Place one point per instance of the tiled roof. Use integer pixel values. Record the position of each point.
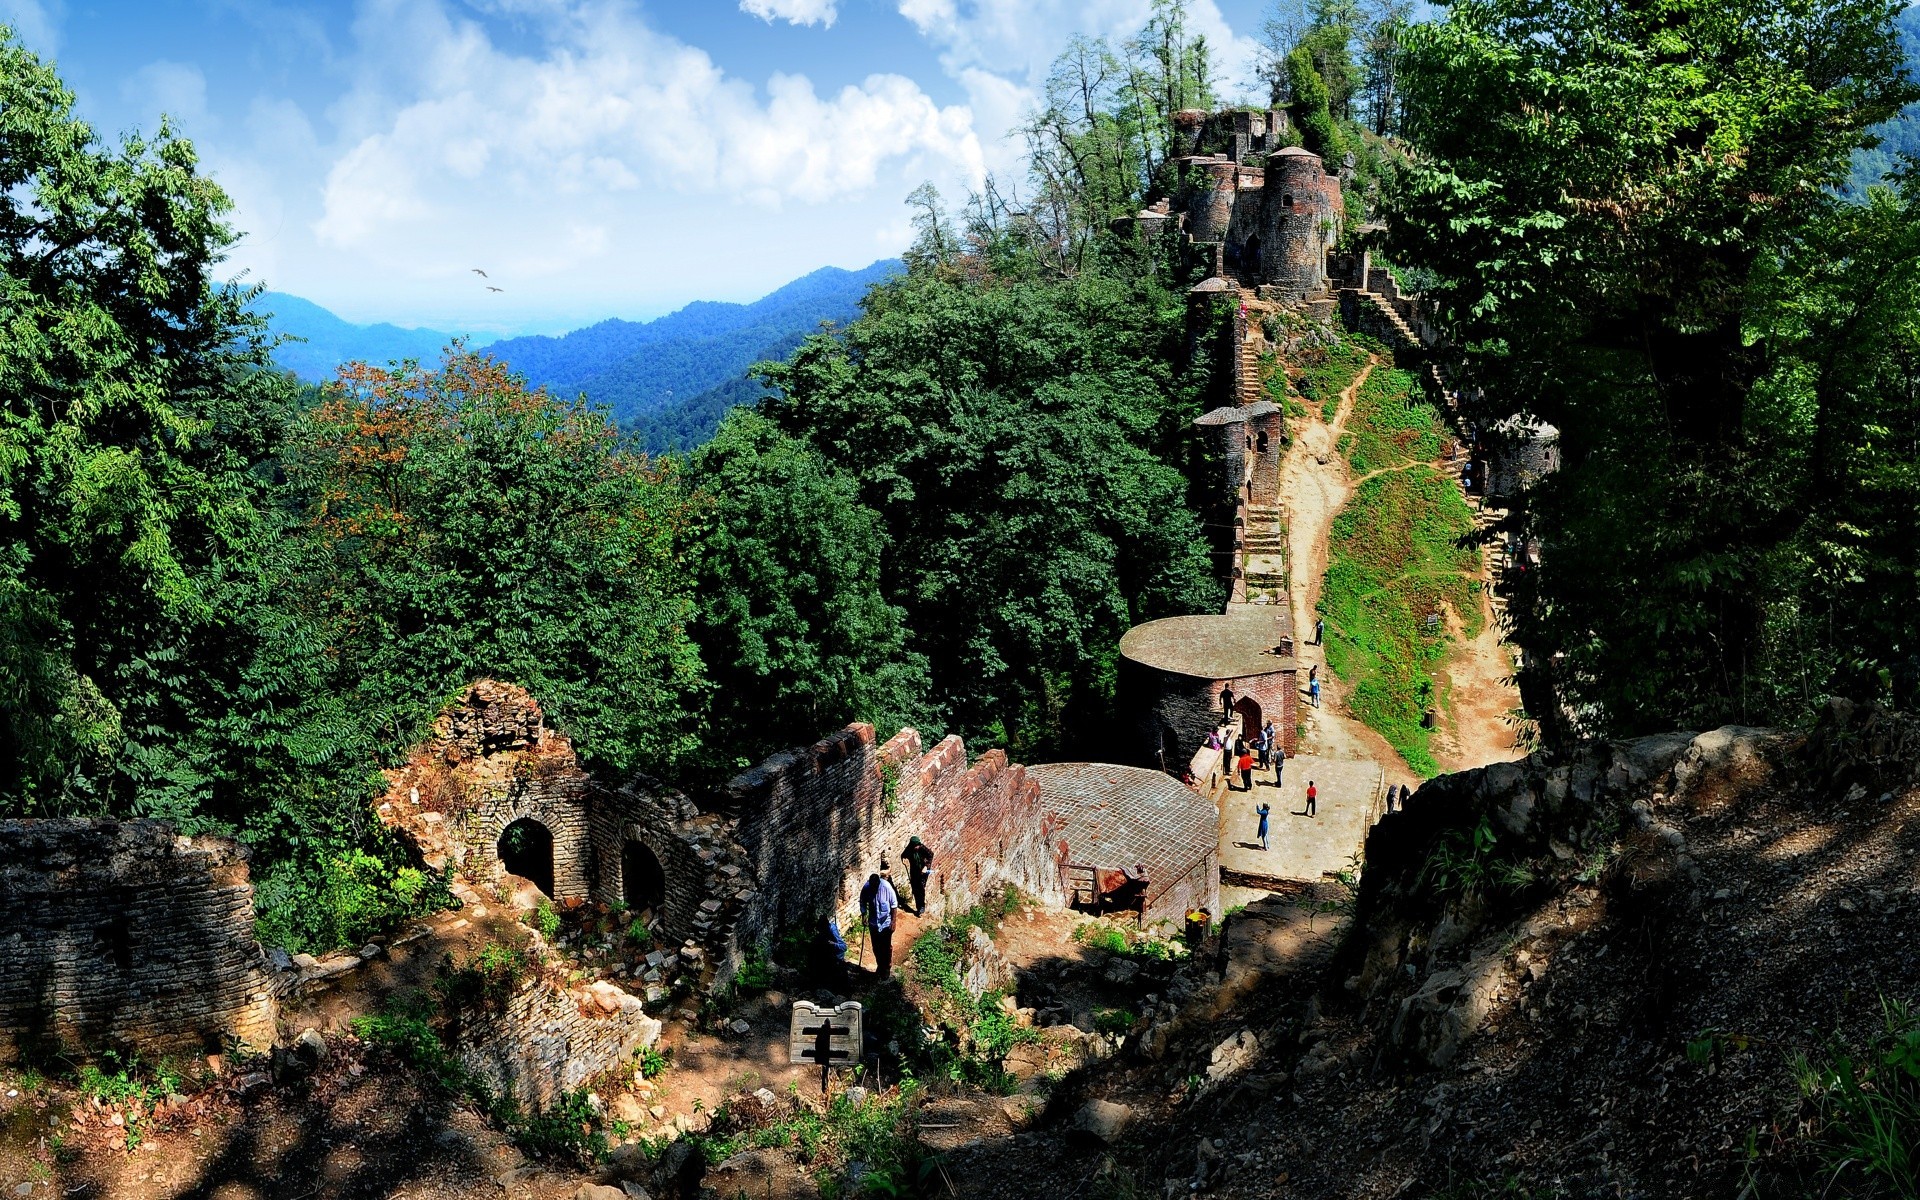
(1129, 817)
(1230, 645)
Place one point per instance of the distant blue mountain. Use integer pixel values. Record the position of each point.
(639, 369)
(671, 380)
(1900, 137)
(327, 341)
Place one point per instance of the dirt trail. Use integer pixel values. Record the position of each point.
(1315, 484)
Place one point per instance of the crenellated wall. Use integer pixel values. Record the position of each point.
(120, 935)
(814, 822)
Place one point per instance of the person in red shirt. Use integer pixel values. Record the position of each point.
(1313, 798)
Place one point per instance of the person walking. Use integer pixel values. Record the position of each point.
(828, 955)
(919, 862)
(1263, 810)
(1226, 703)
(1245, 765)
(1279, 762)
(1313, 799)
(1313, 673)
(877, 902)
(1392, 790)
(1313, 692)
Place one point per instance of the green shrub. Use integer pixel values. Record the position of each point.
(1115, 1021)
(1463, 863)
(756, 971)
(1868, 1105)
(546, 920)
(654, 1062)
(404, 1029)
(343, 900)
(567, 1132)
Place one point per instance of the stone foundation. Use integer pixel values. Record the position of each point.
(547, 1042)
(121, 936)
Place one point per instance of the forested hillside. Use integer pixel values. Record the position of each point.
(228, 602)
(314, 343)
(641, 371)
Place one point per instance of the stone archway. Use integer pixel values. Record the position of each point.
(643, 881)
(526, 849)
(1250, 717)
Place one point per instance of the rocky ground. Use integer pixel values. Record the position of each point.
(1578, 976)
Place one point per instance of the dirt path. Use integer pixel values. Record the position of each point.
(1315, 484)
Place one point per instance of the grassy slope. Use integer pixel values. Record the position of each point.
(1393, 562)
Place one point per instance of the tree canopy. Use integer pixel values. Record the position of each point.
(1604, 196)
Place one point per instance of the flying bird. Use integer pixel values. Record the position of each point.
(479, 272)
(491, 288)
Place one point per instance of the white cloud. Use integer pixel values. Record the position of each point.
(176, 89)
(1018, 39)
(610, 104)
(794, 12)
(35, 22)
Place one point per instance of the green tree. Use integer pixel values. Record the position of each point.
(1310, 108)
(137, 431)
(459, 525)
(791, 617)
(1599, 192)
(1015, 436)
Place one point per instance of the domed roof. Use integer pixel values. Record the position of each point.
(1231, 645)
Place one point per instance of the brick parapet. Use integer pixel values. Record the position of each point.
(547, 1041)
(120, 935)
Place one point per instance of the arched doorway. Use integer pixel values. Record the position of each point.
(1250, 255)
(643, 884)
(526, 850)
(1249, 710)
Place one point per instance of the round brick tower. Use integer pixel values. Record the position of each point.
(1299, 219)
(1210, 207)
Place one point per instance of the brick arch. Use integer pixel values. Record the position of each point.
(556, 800)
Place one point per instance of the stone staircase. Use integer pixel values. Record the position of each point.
(1404, 338)
(1494, 552)
(1252, 388)
(1265, 538)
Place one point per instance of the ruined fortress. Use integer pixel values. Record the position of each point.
(122, 935)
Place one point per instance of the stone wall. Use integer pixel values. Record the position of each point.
(494, 759)
(815, 822)
(708, 879)
(1174, 713)
(120, 935)
(547, 1042)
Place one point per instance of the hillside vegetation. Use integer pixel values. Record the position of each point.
(226, 599)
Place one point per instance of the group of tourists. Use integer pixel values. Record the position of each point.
(879, 901)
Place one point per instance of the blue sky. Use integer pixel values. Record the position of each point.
(597, 157)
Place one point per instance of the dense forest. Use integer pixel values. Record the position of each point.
(226, 599)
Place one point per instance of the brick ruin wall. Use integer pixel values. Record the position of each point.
(814, 822)
(1174, 713)
(546, 1042)
(494, 759)
(120, 935)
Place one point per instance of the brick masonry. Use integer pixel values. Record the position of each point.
(495, 759)
(547, 1042)
(120, 935)
(816, 821)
